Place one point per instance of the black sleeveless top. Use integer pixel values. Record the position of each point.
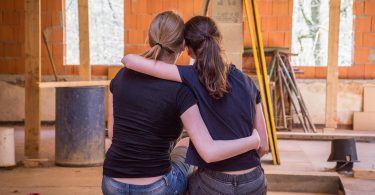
(146, 124)
(230, 117)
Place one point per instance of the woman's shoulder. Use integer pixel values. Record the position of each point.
(188, 73)
(235, 72)
(186, 68)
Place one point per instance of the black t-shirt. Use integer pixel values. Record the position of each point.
(230, 117)
(146, 124)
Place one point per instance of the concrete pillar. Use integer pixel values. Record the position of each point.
(228, 16)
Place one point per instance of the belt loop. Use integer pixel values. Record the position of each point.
(234, 181)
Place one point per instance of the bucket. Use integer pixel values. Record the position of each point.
(80, 126)
(7, 147)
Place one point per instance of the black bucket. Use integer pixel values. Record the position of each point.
(344, 152)
(80, 126)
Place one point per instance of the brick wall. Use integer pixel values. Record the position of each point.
(275, 18)
(276, 26)
(364, 46)
(139, 14)
(12, 36)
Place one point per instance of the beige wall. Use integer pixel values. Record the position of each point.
(12, 99)
(349, 98)
(313, 90)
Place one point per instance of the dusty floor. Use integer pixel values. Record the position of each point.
(296, 157)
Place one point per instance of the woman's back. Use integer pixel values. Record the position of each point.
(146, 124)
(230, 117)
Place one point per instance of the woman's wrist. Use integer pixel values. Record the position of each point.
(255, 140)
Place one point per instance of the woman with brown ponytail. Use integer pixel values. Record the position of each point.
(148, 114)
(229, 103)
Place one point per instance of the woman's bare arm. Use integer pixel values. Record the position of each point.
(153, 68)
(260, 125)
(214, 150)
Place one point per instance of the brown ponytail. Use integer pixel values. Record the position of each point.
(203, 37)
(165, 36)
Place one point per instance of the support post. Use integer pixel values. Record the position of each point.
(32, 77)
(84, 41)
(332, 65)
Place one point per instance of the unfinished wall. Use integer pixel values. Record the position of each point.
(275, 18)
(12, 101)
(349, 98)
(364, 46)
(12, 98)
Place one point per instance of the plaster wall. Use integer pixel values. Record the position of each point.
(349, 99)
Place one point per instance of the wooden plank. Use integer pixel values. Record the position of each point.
(84, 41)
(33, 163)
(253, 37)
(32, 77)
(73, 84)
(332, 66)
(359, 137)
(364, 174)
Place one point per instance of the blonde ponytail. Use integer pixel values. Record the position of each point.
(165, 36)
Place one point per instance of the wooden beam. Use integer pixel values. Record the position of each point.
(84, 41)
(332, 69)
(73, 84)
(32, 77)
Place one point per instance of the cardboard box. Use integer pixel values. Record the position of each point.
(232, 37)
(364, 121)
(235, 58)
(227, 11)
(369, 99)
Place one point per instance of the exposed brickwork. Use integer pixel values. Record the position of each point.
(276, 26)
(364, 43)
(275, 20)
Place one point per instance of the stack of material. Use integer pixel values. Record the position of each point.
(286, 93)
(366, 120)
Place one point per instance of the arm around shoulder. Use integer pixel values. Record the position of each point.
(153, 68)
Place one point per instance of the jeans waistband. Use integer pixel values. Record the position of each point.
(243, 178)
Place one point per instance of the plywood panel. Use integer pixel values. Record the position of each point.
(84, 42)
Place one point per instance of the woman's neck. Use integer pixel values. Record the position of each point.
(169, 59)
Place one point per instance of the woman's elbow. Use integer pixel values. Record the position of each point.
(126, 60)
(208, 157)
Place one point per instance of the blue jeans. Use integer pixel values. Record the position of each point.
(174, 182)
(209, 182)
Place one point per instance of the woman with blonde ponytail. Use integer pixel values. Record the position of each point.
(229, 103)
(148, 116)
